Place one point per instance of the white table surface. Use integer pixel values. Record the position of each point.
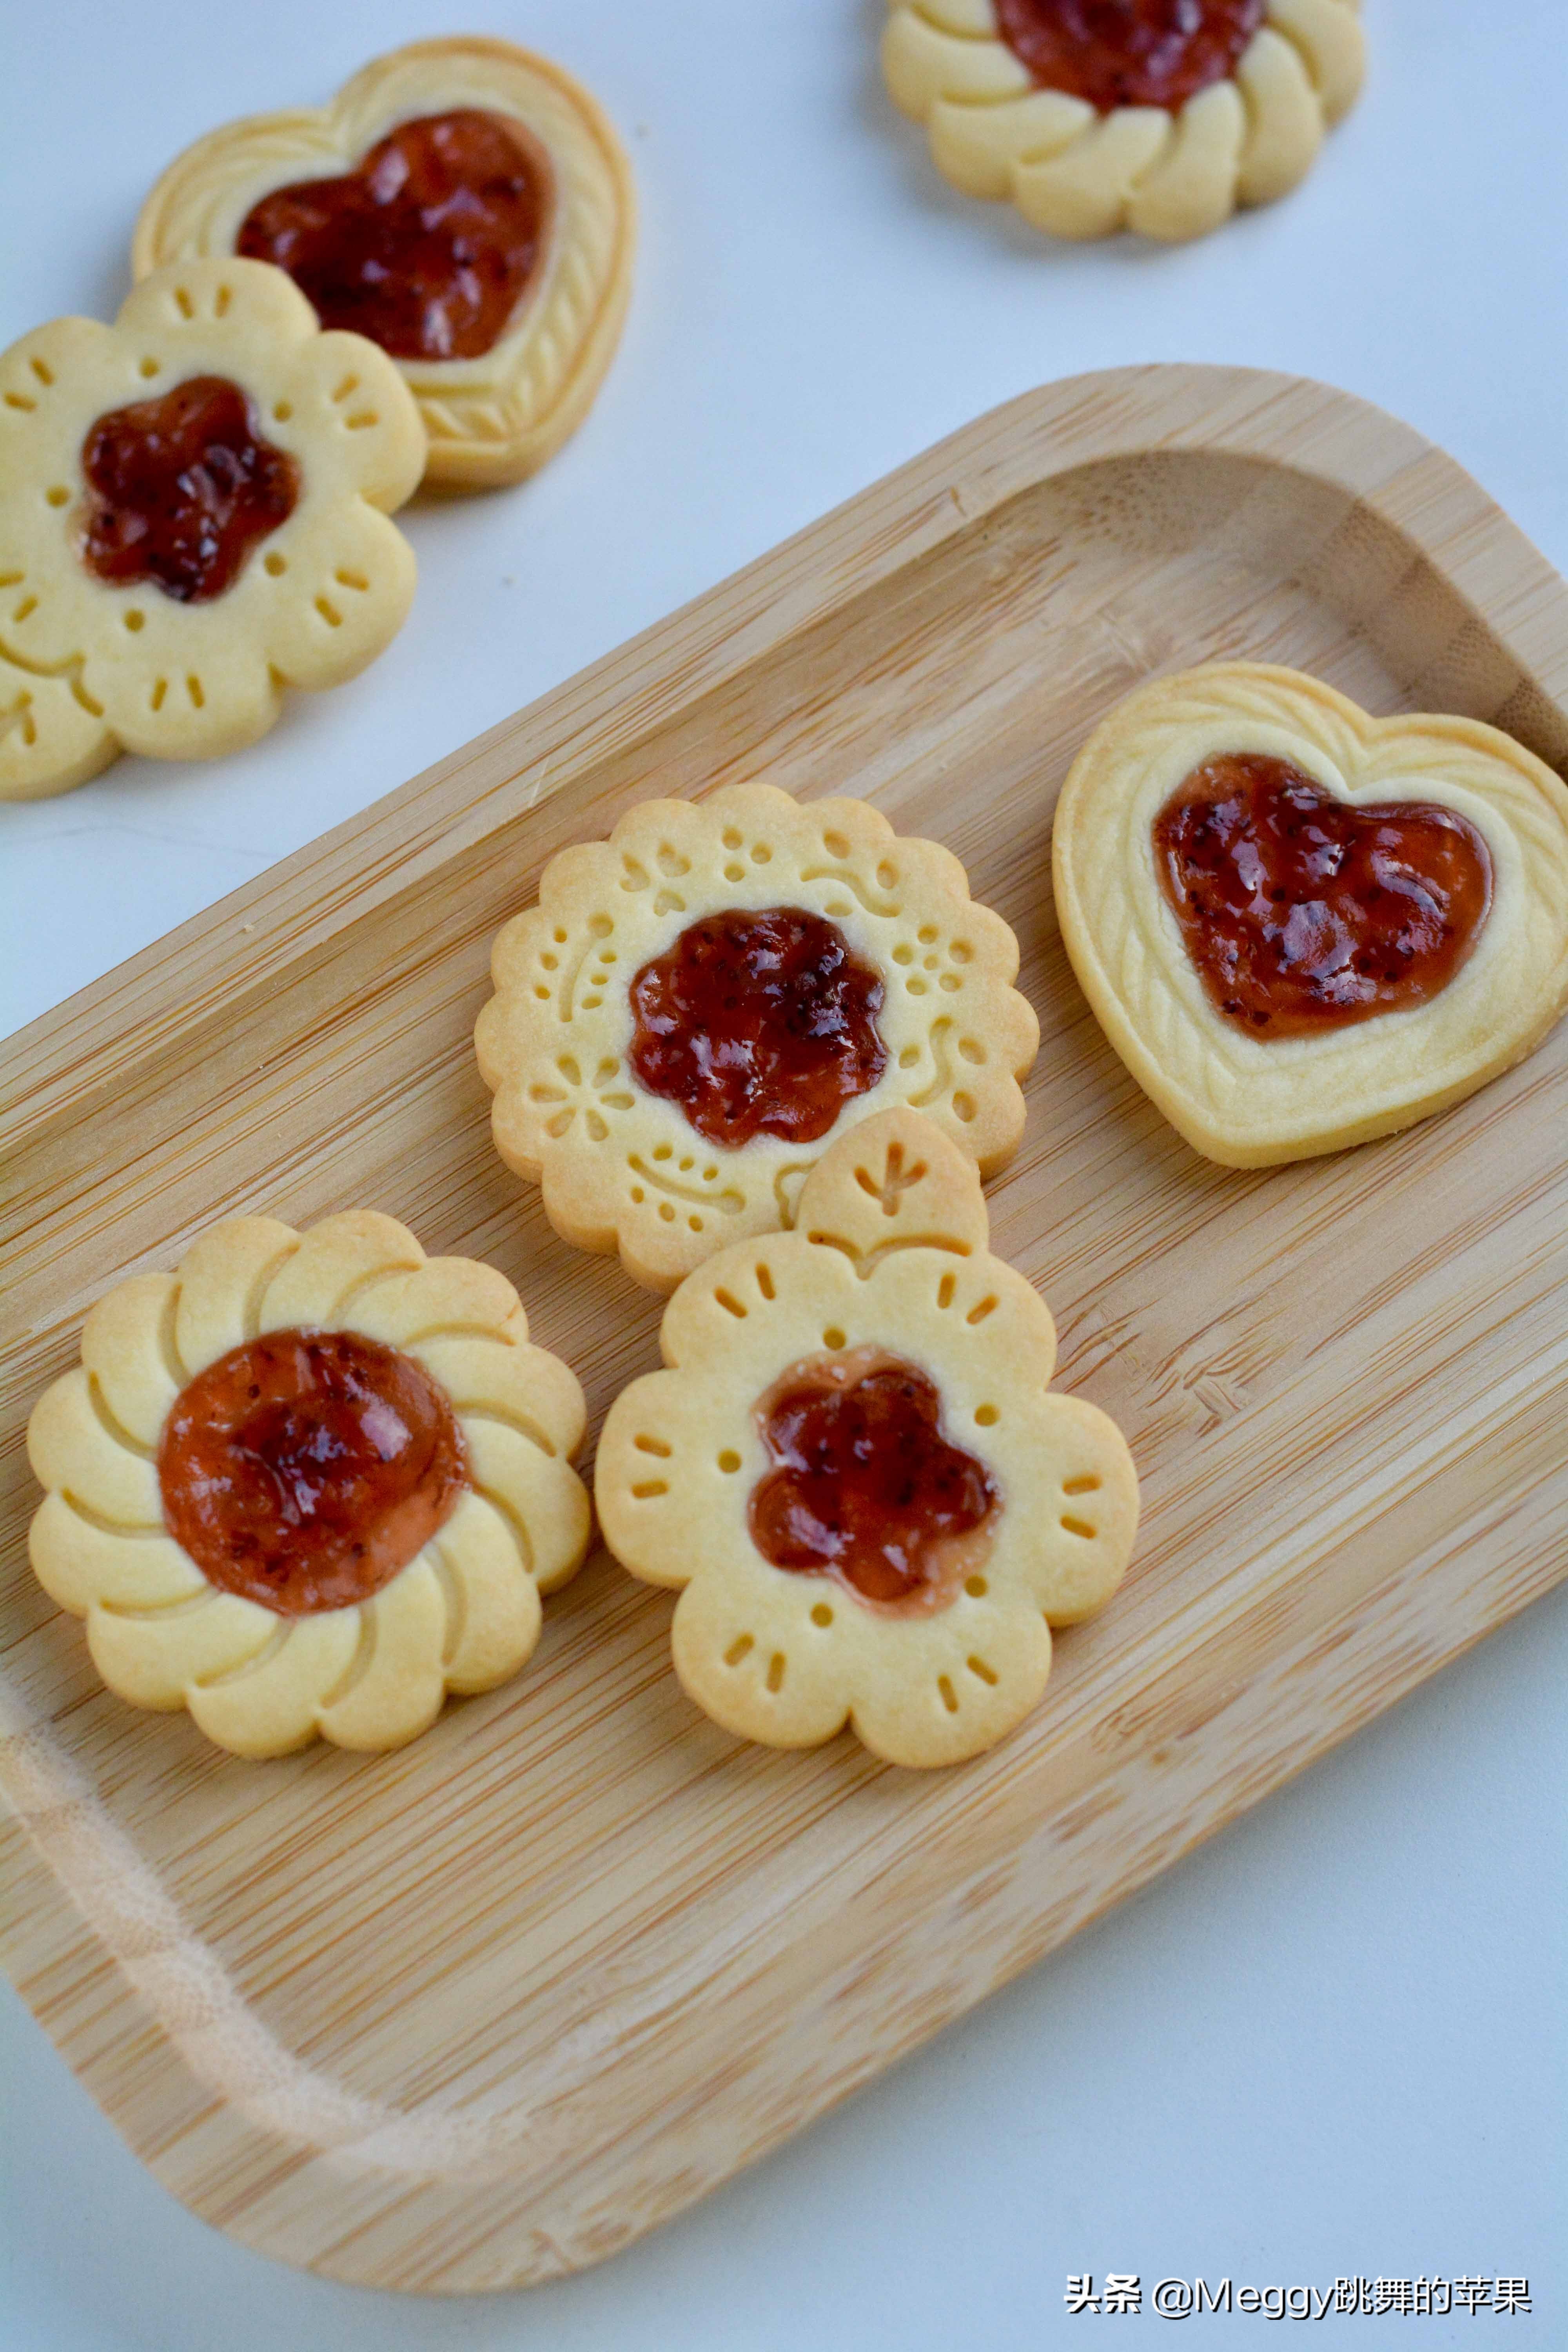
(1330, 2043)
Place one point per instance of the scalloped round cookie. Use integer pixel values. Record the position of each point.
(1301, 927)
(522, 257)
(1161, 119)
(308, 1484)
(700, 1006)
(854, 1472)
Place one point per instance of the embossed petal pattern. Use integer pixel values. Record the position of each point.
(1077, 173)
(621, 1167)
(463, 1615)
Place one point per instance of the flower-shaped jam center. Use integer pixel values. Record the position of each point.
(425, 246)
(758, 1025)
(1303, 913)
(180, 488)
(1115, 53)
(305, 1468)
(865, 1487)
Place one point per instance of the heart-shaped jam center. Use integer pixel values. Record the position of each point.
(865, 1488)
(305, 1468)
(426, 247)
(1128, 52)
(180, 488)
(758, 1025)
(1302, 912)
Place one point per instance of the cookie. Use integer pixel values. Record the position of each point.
(308, 1484)
(854, 1469)
(51, 737)
(193, 515)
(1161, 119)
(462, 202)
(1300, 927)
(698, 1006)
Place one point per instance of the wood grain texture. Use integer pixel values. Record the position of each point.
(482, 2012)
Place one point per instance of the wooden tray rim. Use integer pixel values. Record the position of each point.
(97, 1035)
(1024, 443)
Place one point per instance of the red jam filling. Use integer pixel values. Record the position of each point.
(1128, 52)
(758, 1025)
(865, 1488)
(180, 488)
(1302, 913)
(426, 247)
(305, 1468)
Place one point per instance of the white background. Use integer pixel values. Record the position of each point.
(1332, 2042)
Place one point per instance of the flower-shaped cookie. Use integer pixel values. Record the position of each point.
(464, 203)
(52, 734)
(1300, 927)
(194, 509)
(309, 1483)
(1092, 116)
(700, 1004)
(854, 1467)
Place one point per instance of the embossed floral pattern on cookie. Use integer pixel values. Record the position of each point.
(698, 1006)
(477, 210)
(1160, 117)
(1301, 927)
(855, 1469)
(193, 515)
(365, 1460)
(52, 734)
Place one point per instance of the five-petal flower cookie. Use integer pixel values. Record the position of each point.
(463, 202)
(309, 1483)
(855, 1468)
(698, 1006)
(1300, 927)
(1092, 117)
(194, 514)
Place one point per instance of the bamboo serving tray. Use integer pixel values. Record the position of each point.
(481, 2012)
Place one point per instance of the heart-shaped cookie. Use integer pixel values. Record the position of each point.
(1301, 927)
(463, 203)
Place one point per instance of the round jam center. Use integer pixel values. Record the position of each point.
(1128, 52)
(180, 488)
(305, 1468)
(758, 1025)
(865, 1487)
(1302, 913)
(426, 247)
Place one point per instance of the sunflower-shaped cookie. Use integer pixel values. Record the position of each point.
(309, 1483)
(463, 203)
(1093, 115)
(194, 509)
(1300, 927)
(698, 1006)
(854, 1467)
